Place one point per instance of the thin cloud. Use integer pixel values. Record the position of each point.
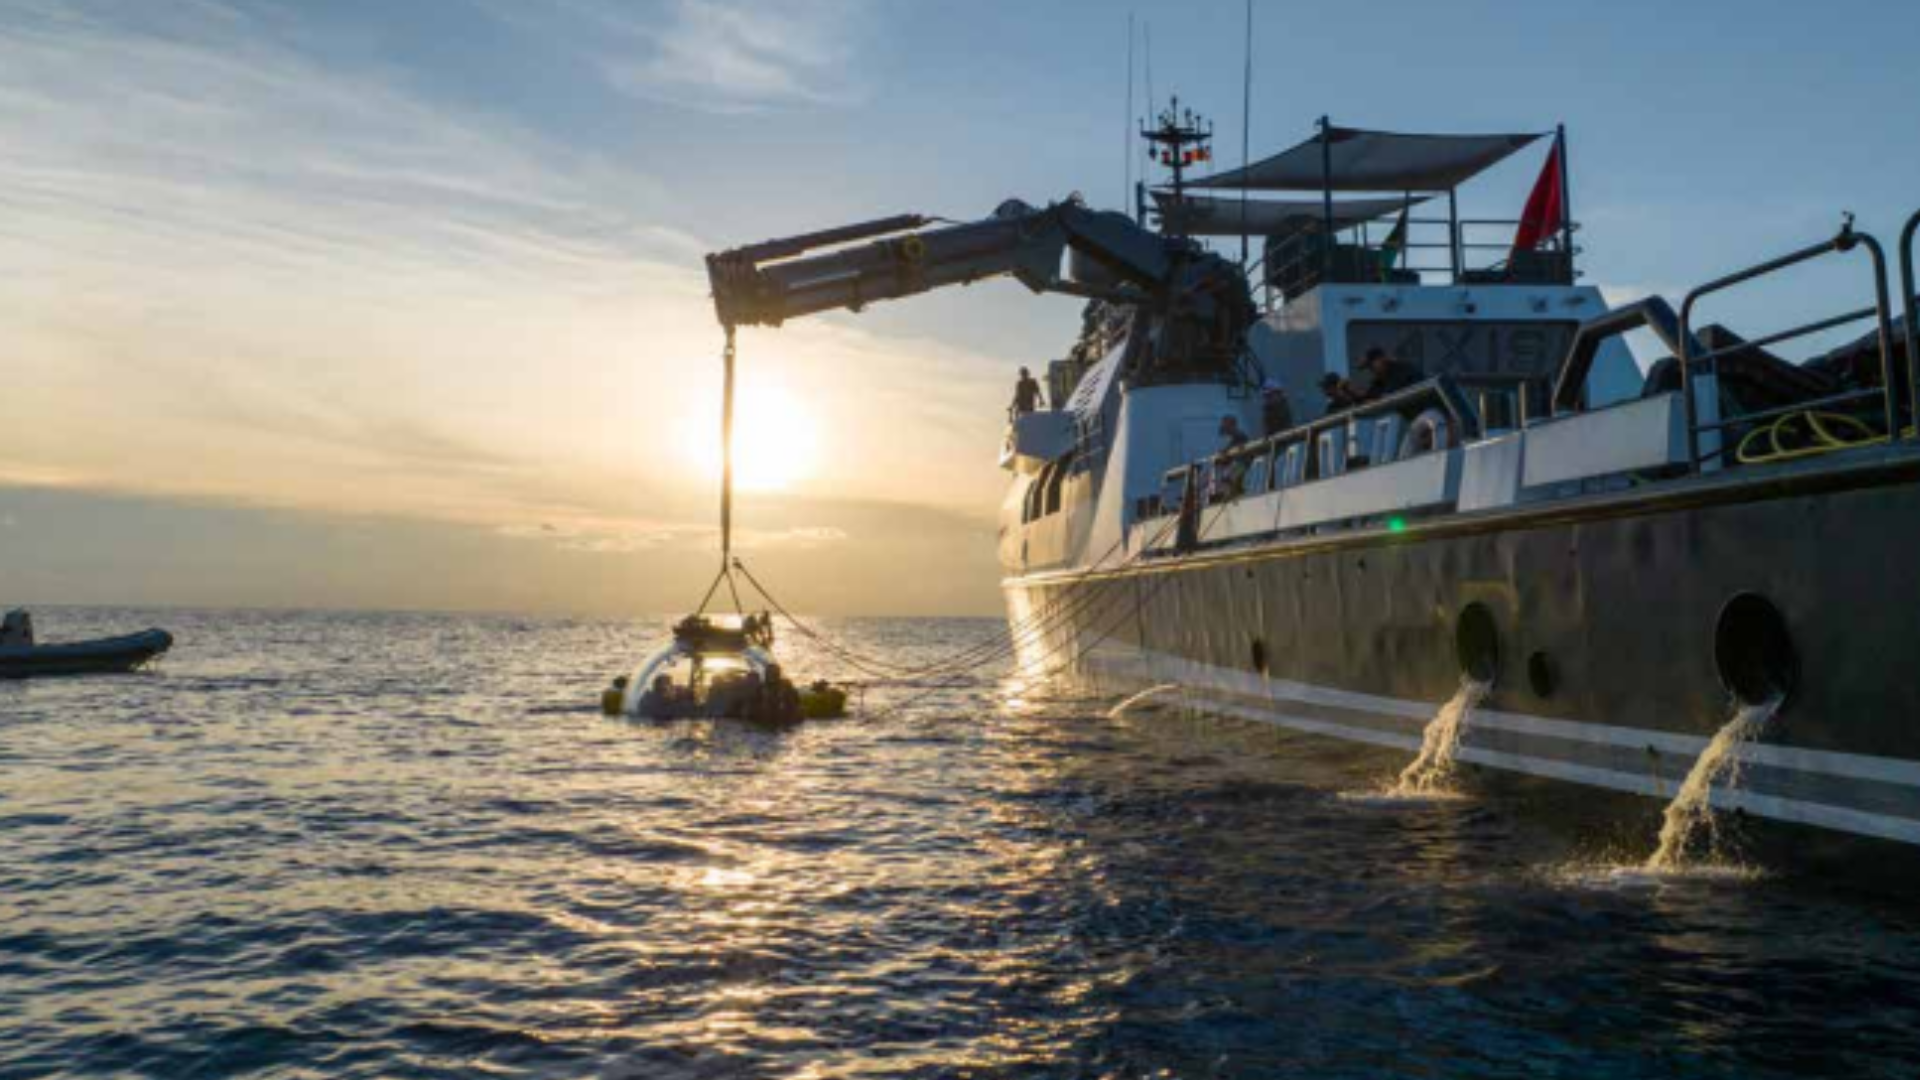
(601, 537)
(727, 56)
(241, 272)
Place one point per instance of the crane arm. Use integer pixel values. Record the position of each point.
(1111, 259)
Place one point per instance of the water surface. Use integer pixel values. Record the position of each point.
(406, 845)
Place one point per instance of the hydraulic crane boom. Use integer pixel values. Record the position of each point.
(768, 283)
(1197, 302)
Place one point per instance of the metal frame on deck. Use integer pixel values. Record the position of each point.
(1911, 331)
(1844, 241)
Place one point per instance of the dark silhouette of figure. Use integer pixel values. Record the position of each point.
(1026, 394)
(1388, 375)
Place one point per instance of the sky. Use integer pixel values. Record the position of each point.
(366, 304)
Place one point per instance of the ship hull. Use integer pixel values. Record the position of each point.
(1608, 618)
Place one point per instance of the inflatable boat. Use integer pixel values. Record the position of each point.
(98, 657)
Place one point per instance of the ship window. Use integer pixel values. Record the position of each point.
(1054, 484)
(1043, 495)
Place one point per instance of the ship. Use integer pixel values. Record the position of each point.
(1615, 560)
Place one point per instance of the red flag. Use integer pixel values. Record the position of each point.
(1546, 210)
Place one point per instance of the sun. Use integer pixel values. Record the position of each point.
(775, 438)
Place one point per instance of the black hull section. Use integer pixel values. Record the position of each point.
(108, 656)
(1604, 612)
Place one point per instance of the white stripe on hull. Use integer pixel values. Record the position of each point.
(1249, 696)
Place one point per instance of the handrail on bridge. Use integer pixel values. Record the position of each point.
(1844, 241)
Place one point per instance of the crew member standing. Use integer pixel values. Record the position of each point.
(1276, 412)
(1231, 437)
(1026, 394)
(1229, 471)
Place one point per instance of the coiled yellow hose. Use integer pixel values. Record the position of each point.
(1826, 433)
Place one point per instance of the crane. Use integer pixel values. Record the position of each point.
(1196, 305)
(1190, 308)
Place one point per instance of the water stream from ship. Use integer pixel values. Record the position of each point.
(1431, 773)
(1689, 821)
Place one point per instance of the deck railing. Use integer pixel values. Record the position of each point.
(1464, 251)
(1263, 456)
(1845, 241)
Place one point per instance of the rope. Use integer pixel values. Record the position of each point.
(1101, 639)
(940, 673)
(974, 657)
(964, 657)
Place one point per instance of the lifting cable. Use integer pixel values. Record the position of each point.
(727, 357)
(965, 657)
(1100, 639)
(1023, 632)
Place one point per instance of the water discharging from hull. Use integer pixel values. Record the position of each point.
(1429, 772)
(1149, 693)
(1691, 811)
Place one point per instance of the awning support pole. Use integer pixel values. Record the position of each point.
(1326, 198)
(1566, 198)
(1453, 232)
(1246, 135)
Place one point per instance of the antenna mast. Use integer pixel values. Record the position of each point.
(1126, 124)
(1180, 140)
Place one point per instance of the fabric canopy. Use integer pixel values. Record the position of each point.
(1374, 161)
(1205, 215)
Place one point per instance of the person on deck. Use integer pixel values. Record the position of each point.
(16, 629)
(1026, 394)
(1229, 472)
(1276, 412)
(1231, 437)
(1339, 393)
(1388, 375)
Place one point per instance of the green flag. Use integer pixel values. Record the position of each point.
(1395, 244)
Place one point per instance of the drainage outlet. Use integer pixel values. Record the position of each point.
(1753, 652)
(1476, 643)
(1542, 675)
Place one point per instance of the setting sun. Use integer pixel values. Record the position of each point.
(775, 437)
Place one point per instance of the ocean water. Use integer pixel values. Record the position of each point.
(343, 845)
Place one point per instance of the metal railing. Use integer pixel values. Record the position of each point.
(1458, 251)
(1911, 332)
(1442, 392)
(1846, 240)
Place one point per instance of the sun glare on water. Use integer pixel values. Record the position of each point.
(775, 438)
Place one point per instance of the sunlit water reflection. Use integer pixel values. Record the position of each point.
(350, 845)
